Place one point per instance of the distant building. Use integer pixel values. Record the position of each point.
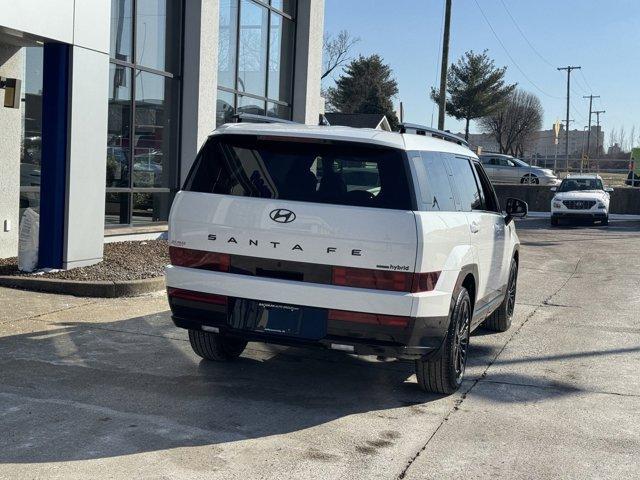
(543, 144)
(376, 121)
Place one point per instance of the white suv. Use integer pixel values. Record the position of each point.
(581, 197)
(368, 242)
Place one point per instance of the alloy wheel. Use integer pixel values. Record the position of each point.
(511, 292)
(461, 339)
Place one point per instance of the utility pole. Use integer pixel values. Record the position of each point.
(590, 97)
(568, 69)
(598, 112)
(566, 138)
(445, 63)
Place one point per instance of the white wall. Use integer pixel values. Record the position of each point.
(87, 164)
(51, 19)
(11, 65)
(308, 63)
(200, 78)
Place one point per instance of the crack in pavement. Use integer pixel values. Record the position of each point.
(482, 377)
(563, 389)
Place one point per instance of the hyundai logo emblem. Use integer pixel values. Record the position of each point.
(282, 215)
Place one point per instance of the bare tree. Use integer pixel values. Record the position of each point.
(613, 137)
(622, 139)
(336, 51)
(632, 137)
(515, 124)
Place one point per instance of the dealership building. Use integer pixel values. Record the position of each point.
(105, 103)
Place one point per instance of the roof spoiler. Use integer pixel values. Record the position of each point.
(433, 132)
(252, 118)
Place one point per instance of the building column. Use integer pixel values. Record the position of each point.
(11, 66)
(308, 61)
(87, 158)
(199, 79)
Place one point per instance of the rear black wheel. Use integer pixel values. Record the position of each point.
(554, 221)
(216, 347)
(444, 373)
(500, 320)
(605, 222)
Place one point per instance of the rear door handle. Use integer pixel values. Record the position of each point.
(473, 226)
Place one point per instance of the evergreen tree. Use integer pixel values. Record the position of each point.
(475, 88)
(367, 86)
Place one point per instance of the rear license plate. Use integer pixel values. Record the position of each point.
(278, 319)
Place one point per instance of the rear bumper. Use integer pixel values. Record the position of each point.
(420, 338)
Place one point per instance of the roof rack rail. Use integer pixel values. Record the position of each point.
(434, 132)
(253, 118)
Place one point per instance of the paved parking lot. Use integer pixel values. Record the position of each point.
(110, 389)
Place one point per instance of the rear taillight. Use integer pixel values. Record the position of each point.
(196, 296)
(376, 279)
(186, 257)
(424, 282)
(369, 318)
(384, 280)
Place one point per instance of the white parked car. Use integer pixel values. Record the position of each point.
(582, 197)
(505, 169)
(271, 242)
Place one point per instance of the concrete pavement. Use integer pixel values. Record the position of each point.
(110, 389)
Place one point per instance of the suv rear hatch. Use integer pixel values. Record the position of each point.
(303, 212)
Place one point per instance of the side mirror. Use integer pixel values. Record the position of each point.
(515, 209)
(608, 189)
(554, 189)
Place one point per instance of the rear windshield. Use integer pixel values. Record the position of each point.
(341, 173)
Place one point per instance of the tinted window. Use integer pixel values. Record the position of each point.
(573, 184)
(433, 178)
(338, 173)
(488, 193)
(465, 181)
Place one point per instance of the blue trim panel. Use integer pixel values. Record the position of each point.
(55, 125)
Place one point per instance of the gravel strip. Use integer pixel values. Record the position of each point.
(122, 261)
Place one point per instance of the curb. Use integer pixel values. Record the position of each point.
(113, 289)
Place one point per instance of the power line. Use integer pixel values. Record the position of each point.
(513, 61)
(535, 50)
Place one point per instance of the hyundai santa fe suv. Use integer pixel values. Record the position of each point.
(368, 242)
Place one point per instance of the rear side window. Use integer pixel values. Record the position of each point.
(433, 178)
(465, 181)
(341, 173)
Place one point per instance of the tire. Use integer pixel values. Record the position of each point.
(444, 373)
(216, 347)
(605, 222)
(554, 221)
(500, 320)
(530, 179)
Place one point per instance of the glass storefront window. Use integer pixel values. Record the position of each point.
(31, 147)
(158, 25)
(116, 209)
(280, 58)
(256, 59)
(252, 54)
(144, 106)
(286, 6)
(151, 207)
(250, 105)
(121, 30)
(155, 130)
(278, 111)
(119, 126)
(224, 107)
(228, 33)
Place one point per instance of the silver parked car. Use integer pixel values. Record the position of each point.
(507, 169)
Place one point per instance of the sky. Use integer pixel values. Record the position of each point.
(601, 36)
